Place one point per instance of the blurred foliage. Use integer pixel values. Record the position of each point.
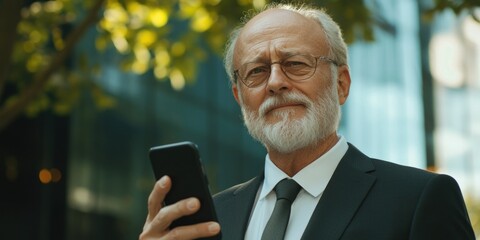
(168, 37)
(457, 6)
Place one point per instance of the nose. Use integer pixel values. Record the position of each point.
(277, 82)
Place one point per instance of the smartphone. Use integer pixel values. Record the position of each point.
(181, 162)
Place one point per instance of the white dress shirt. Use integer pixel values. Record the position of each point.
(313, 179)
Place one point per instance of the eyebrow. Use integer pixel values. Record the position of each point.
(285, 53)
(282, 53)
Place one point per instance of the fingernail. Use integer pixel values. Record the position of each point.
(192, 204)
(163, 181)
(214, 227)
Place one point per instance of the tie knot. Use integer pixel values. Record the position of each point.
(287, 189)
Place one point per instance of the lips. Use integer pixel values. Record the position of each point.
(291, 99)
(284, 105)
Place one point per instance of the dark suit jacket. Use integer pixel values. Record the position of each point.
(366, 199)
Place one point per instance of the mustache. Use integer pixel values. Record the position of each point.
(287, 98)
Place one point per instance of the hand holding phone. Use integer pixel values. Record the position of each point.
(181, 162)
(160, 217)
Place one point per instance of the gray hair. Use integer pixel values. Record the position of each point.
(338, 47)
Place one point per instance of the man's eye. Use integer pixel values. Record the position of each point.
(294, 64)
(257, 71)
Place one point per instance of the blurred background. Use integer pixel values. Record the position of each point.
(88, 86)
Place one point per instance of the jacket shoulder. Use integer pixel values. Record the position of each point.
(385, 169)
(231, 191)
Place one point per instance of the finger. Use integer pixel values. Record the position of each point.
(201, 230)
(169, 213)
(157, 196)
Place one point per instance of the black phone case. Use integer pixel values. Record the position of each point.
(181, 162)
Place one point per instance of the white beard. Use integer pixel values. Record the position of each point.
(287, 135)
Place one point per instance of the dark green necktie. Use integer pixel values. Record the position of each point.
(286, 191)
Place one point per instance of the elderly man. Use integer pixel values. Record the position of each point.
(289, 73)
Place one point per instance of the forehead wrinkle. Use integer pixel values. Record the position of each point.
(284, 53)
(242, 50)
(259, 56)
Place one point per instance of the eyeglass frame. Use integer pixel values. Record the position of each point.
(236, 75)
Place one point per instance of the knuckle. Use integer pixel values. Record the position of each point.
(185, 232)
(180, 208)
(177, 210)
(161, 218)
(187, 206)
(155, 199)
(152, 204)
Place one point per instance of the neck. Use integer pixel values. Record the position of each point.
(291, 163)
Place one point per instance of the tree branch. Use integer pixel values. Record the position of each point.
(12, 111)
(9, 19)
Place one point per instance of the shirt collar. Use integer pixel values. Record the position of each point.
(313, 178)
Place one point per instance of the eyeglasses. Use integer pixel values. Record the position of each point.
(296, 67)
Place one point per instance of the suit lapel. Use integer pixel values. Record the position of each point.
(344, 194)
(240, 207)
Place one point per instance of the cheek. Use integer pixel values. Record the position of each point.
(320, 87)
(251, 98)
(312, 90)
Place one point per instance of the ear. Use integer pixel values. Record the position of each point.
(235, 92)
(343, 82)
